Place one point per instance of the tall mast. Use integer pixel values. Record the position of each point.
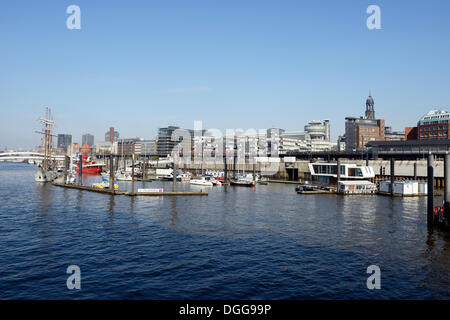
(48, 123)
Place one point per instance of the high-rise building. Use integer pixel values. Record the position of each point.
(87, 139)
(111, 135)
(64, 141)
(164, 142)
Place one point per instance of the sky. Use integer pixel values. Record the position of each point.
(141, 65)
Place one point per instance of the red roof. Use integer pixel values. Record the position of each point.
(86, 146)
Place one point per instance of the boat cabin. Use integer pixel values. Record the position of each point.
(327, 172)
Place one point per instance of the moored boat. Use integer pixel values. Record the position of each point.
(104, 185)
(43, 175)
(203, 181)
(124, 176)
(242, 182)
(90, 167)
(44, 172)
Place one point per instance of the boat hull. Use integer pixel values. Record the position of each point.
(242, 183)
(91, 170)
(201, 183)
(42, 175)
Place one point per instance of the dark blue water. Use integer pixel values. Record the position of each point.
(236, 243)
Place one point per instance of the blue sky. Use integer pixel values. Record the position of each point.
(140, 65)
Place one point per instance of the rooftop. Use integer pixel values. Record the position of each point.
(435, 116)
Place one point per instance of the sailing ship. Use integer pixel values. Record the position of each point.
(44, 172)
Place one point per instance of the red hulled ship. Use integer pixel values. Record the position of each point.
(89, 166)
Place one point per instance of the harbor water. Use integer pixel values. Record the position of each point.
(265, 242)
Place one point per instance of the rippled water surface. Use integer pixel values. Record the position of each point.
(265, 243)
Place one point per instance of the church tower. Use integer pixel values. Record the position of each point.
(370, 110)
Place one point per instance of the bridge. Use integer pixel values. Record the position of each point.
(26, 155)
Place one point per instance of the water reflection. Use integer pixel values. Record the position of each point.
(132, 201)
(44, 195)
(43, 219)
(79, 201)
(436, 275)
(173, 212)
(112, 204)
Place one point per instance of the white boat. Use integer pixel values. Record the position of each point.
(244, 182)
(184, 177)
(124, 176)
(169, 177)
(203, 181)
(71, 176)
(164, 172)
(105, 174)
(357, 187)
(348, 170)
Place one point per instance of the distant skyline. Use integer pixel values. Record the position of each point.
(142, 65)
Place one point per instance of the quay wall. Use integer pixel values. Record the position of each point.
(404, 169)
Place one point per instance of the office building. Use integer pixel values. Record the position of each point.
(146, 147)
(87, 139)
(64, 141)
(164, 142)
(111, 135)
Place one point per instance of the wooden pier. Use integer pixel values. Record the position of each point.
(317, 192)
(127, 193)
(381, 193)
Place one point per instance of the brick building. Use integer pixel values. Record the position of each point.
(434, 125)
(360, 131)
